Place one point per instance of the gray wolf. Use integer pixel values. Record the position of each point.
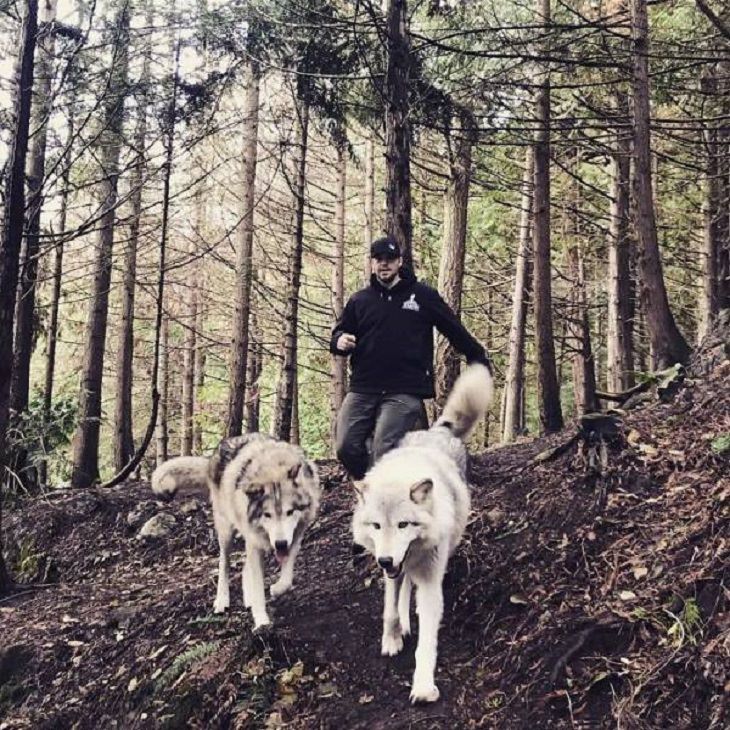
(412, 508)
(265, 489)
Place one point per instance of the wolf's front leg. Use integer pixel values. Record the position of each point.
(254, 581)
(392, 641)
(224, 531)
(404, 605)
(286, 578)
(430, 607)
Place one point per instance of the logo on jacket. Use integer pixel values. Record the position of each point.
(412, 304)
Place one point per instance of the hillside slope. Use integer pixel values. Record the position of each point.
(586, 594)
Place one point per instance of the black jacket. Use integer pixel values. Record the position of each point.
(394, 331)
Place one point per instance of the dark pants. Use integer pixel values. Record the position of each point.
(385, 418)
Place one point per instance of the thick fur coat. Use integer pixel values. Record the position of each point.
(268, 491)
(411, 513)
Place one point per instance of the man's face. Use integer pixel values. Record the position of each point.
(385, 269)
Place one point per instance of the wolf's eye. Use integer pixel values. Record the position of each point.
(290, 512)
(267, 515)
(376, 525)
(402, 525)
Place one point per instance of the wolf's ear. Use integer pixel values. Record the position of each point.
(295, 470)
(422, 491)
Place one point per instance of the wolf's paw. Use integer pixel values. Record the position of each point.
(391, 644)
(281, 586)
(424, 693)
(261, 623)
(221, 605)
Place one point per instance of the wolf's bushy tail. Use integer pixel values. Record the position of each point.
(468, 401)
(183, 473)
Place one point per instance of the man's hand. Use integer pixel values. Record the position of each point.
(346, 342)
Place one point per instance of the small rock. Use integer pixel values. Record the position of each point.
(160, 525)
(495, 516)
(136, 516)
(189, 507)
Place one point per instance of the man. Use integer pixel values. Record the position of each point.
(387, 330)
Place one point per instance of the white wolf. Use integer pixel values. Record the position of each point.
(411, 512)
(268, 491)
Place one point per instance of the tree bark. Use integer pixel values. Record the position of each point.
(282, 421)
(163, 385)
(25, 305)
(619, 341)
(200, 360)
(255, 362)
(190, 304)
(123, 408)
(86, 440)
(453, 248)
(338, 364)
(668, 344)
(710, 253)
(708, 300)
(240, 344)
(515, 378)
(723, 212)
(369, 204)
(551, 417)
(584, 376)
(397, 130)
(54, 306)
(12, 233)
(191, 307)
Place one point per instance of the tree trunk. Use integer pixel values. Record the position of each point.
(12, 233)
(369, 204)
(240, 345)
(668, 344)
(255, 362)
(191, 307)
(295, 434)
(515, 378)
(86, 440)
(338, 364)
(188, 368)
(551, 417)
(619, 341)
(397, 130)
(708, 303)
(488, 335)
(123, 410)
(584, 377)
(25, 305)
(723, 212)
(58, 238)
(200, 359)
(282, 421)
(453, 248)
(163, 385)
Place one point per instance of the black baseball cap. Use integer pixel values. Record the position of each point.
(386, 247)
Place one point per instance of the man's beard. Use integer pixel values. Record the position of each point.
(386, 277)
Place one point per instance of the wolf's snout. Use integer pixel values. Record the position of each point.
(386, 564)
(281, 546)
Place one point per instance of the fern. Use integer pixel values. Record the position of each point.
(185, 660)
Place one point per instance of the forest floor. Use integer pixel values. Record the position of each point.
(584, 595)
